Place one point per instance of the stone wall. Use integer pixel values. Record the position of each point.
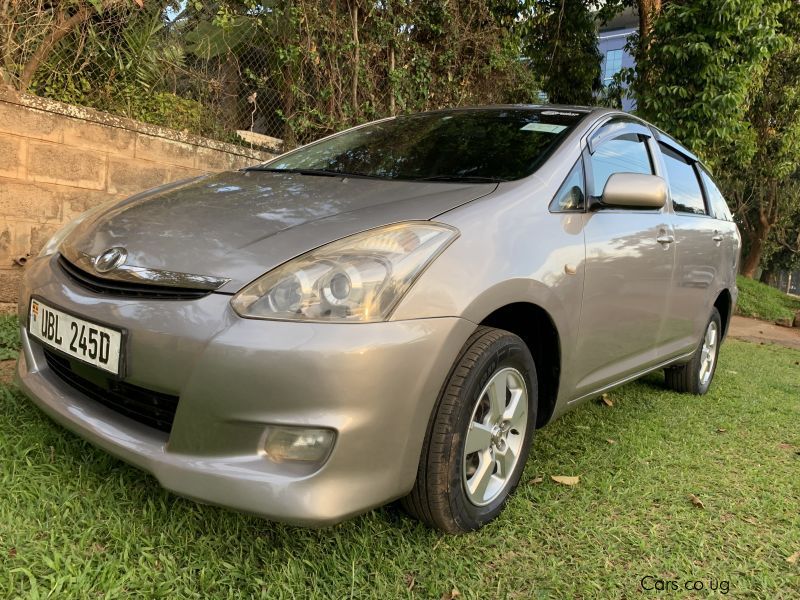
(58, 160)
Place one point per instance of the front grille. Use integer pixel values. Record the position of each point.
(127, 289)
(150, 408)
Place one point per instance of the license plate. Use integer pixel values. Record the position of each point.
(88, 342)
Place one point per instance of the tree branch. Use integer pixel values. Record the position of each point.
(62, 27)
(356, 57)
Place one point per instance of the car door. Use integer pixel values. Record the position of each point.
(726, 227)
(698, 249)
(629, 263)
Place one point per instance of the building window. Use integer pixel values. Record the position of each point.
(612, 65)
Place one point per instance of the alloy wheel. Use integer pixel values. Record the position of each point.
(493, 443)
(708, 354)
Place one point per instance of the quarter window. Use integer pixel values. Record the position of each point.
(571, 196)
(624, 154)
(719, 208)
(684, 187)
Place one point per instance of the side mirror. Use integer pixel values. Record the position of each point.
(633, 190)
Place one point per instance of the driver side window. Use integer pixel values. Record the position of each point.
(626, 153)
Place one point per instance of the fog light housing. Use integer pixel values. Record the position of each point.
(303, 444)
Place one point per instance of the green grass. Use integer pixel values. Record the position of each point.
(764, 302)
(76, 523)
(9, 336)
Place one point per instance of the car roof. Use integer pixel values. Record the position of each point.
(570, 107)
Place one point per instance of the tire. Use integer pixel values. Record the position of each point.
(457, 492)
(695, 377)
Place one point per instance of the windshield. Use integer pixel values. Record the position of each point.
(459, 145)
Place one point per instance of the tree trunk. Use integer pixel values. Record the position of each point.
(767, 217)
(766, 276)
(289, 138)
(648, 10)
(356, 58)
(62, 27)
(7, 27)
(750, 263)
(392, 107)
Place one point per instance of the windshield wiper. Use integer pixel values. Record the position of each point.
(317, 172)
(462, 179)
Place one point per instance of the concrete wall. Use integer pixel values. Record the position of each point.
(58, 160)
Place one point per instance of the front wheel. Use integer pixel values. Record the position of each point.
(695, 376)
(479, 436)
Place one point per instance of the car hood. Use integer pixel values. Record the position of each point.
(240, 225)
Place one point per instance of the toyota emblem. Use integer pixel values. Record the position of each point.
(110, 260)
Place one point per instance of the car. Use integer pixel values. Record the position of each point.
(390, 312)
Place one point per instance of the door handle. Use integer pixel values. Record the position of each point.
(665, 239)
(717, 237)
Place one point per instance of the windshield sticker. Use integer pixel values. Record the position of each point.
(543, 127)
(560, 112)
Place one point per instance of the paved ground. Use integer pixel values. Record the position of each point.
(763, 332)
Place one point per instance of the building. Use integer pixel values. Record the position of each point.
(612, 39)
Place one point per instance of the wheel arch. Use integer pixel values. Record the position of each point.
(724, 304)
(536, 327)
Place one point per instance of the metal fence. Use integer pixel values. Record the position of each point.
(289, 69)
(147, 63)
(787, 281)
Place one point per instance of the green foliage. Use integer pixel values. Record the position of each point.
(130, 65)
(9, 337)
(702, 65)
(293, 69)
(560, 39)
(763, 301)
(303, 62)
(215, 38)
(163, 108)
(723, 76)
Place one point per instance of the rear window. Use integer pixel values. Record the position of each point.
(470, 145)
(719, 208)
(684, 187)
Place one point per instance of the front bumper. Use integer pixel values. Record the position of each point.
(374, 384)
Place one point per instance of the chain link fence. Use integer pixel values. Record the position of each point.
(148, 63)
(247, 72)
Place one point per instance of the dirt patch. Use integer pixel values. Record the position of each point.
(7, 370)
(764, 332)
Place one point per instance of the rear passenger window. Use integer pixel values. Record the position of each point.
(570, 197)
(719, 208)
(684, 187)
(624, 154)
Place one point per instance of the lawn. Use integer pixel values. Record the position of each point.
(764, 302)
(75, 522)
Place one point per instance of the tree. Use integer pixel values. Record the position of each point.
(327, 65)
(560, 39)
(723, 76)
(782, 248)
(702, 62)
(766, 189)
(31, 46)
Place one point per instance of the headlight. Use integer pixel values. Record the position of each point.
(356, 279)
(51, 247)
